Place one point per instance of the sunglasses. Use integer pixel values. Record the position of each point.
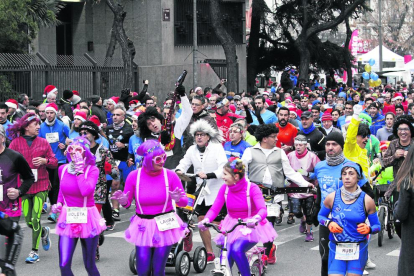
(82, 133)
(159, 159)
(75, 149)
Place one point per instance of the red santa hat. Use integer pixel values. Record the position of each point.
(49, 89)
(292, 109)
(52, 106)
(75, 92)
(114, 100)
(94, 119)
(134, 103)
(12, 103)
(384, 145)
(81, 116)
(398, 96)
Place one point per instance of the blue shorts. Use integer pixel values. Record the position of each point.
(343, 267)
(124, 170)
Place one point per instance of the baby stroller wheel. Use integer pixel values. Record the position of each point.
(133, 262)
(200, 259)
(182, 264)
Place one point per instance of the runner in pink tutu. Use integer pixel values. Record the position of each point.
(79, 218)
(243, 200)
(155, 227)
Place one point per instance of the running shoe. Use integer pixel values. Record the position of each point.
(290, 220)
(265, 259)
(46, 242)
(44, 209)
(302, 227)
(33, 257)
(115, 215)
(210, 257)
(272, 255)
(370, 264)
(110, 227)
(52, 217)
(365, 273)
(309, 237)
(188, 241)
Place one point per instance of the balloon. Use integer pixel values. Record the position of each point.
(368, 68)
(371, 83)
(365, 75)
(371, 62)
(378, 82)
(374, 76)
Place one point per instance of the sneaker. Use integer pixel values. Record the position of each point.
(302, 227)
(210, 257)
(365, 273)
(110, 227)
(44, 209)
(290, 220)
(46, 242)
(265, 259)
(272, 255)
(33, 257)
(370, 264)
(115, 215)
(188, 241)
(52, 217)
(309, 237)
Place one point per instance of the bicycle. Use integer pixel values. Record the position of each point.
(385, 213)
(254, 255)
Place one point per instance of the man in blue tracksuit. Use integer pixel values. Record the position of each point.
(55, 132)
(378, 120)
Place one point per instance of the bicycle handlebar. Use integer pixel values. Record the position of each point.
(217, 229)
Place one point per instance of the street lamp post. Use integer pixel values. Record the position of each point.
(380, 35)
(194, 44)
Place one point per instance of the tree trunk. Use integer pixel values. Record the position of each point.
(108, 61)
(346, 49)
(127, 46)
(253, 48)
(229, 46)
(304, 60)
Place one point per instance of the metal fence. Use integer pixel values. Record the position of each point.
(29, 74)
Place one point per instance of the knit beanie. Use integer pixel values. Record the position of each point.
(336, 137)
(67, 94)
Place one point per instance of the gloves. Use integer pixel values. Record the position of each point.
(121, 197)
(251, 223)
(303, 172)
(57, 208)
(165, 137)
(180, 90)
(335, 228)
(79, 162)
(125, 91)
(201, 225)
(177, 194)
(357, 109)
(363, 229)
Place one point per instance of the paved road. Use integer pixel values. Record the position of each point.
(294, 256)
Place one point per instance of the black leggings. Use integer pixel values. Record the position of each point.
(55, 182)
(106, 208)
(11, 229)
(302, 206)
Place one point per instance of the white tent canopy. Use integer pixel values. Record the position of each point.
(409, 65)
(387, 56)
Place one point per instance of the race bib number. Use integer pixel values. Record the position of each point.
(77, 215)
(273, 210)
(52, 137)
(347, 251)
(34, 171)
(114, 148)
(167, 222)
(1, 192)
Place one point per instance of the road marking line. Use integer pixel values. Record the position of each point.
(315, 248)
(395, 253)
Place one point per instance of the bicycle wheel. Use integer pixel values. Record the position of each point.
(256, 268)
(133, 262)
(390, 226)
(381, 217)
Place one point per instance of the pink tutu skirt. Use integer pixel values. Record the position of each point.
(144, 232)
(263, 232)
(94, 226)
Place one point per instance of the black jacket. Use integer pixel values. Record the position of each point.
(65, 105)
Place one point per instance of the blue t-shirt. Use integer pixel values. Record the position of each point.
(236, 150)
(268, 118)
(133, 144)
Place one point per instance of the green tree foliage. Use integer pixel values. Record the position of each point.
(20, 21)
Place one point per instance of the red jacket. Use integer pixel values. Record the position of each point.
(39, 148)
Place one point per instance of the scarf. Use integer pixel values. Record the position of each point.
(202, 149)
(119, 126)
(348, 196)
(171, 144)
(328, 130)
(307, 130)
(335, 160)
(50, 123)
(300, 156)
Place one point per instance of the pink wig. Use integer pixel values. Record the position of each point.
(85, 144)
(149, 149)
(19, 127)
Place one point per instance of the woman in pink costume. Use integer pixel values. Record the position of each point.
(155, 227)
(79, 218)
(243, 200)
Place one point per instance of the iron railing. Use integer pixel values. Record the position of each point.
(29, 74)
